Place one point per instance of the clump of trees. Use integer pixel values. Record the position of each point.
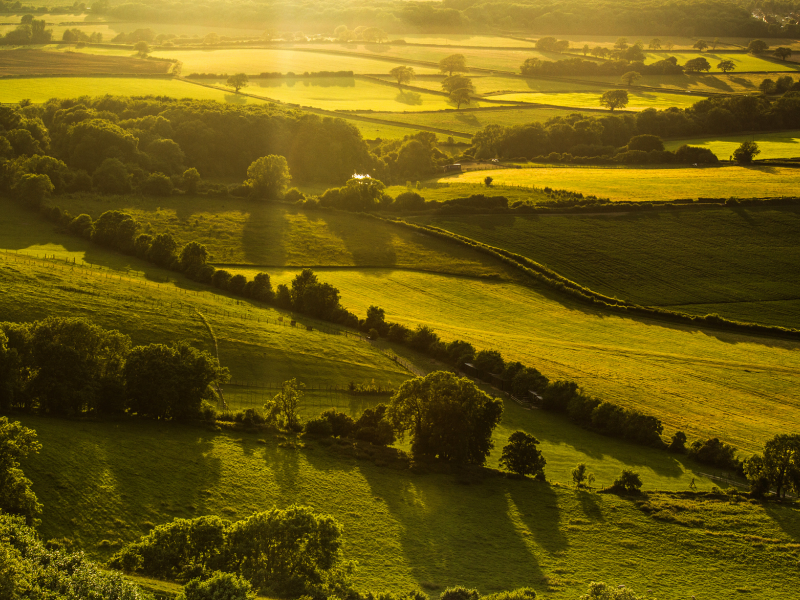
(777, 468)
(70, 366)
(289, 552)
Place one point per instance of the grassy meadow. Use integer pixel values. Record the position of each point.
(645, 183)
(785, 144)
(707, 383)
(405, 530)
(652, 258)
(638, 100)
(732, 83)
(743, 61)
(237, 231)
(42, 89)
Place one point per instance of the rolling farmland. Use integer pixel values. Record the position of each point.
(785, 144)
(638, 100)
(38, 62)
(647, 183)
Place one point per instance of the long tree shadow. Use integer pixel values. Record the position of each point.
(263, 235)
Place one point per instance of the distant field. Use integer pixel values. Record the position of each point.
(688, 260)
(707, 82)
(370, 131)
(491, 41)
(255, 61)
(772, 145)
(707, 383)
(743, 61)
(471, 121)
(608, 41)
(37, 62)
(42, 89)
(343, 93)
(486, 84)
(638, 100)
(649, 183)
(406, 531)
(238, 232)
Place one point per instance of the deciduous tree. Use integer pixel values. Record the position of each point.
(613, 99)
(455, 63)
(522, 456)
(238, 81)
(268, 177)
(402, 75)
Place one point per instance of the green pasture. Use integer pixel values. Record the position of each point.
(405, 530)
(488, 41)
(742, 60)
(153, 305)
(271, 60)
(707, 82)
(716, 260)
(371, 131)
(491, 84)
(705, 382)
(42, 89)
(237, 231)
(576, 42)
(471, 121)
(638, 100)
(345, 93)
(646, 183)
(785, 144)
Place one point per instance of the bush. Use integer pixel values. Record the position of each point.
(628, 481)
(157, 184)
(408, 201)
(342, 425)
(714, 452)
(319, 426)
(678, 443)
(459, 593)
(221, 586)
(489, 361)
(250, 417)
(645, 143)
(208, 412)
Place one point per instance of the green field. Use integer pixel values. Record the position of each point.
(720, 84)
(238, 232)
(469, 121)
(647, 183)
(344, 93)
(489, 84)
(785, 144)
(405, 530)
(44, 88)
(652, 259)
(743, 61)
(255, 61)
(638, 100)
(489, 41)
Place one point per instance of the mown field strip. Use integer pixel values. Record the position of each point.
(647, 183)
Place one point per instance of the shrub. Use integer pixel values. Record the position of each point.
(489, 361)
(250, 417)
(714, 452)
(422, 338)
(459, 593)
(221, 586)
(678, 443)
(408, 201)
(341, 424)
(319, 426)
(157, 184)
(628, 481)
(208, 411)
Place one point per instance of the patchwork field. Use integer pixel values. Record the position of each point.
(255, 61)
(707, 82)
(742, 60)
(652, 259)
(345, 93)
(42, 89)
(647, 183)
(405, 530)
(785, 144)
(638, 100)
(38, 62)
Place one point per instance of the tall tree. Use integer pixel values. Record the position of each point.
(455, 63)
(268, 177)
(522, 456)
(16, 495)
(402, 75)
(783, 53)
(613, 99)
(726, 66)
(237, 81)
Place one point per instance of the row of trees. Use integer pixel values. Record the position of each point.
(68, 366)
(580, 134)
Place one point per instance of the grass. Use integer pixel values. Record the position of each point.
(785, 144)
(489, 41)
(707, 82)
(707, 383)
(255, 61)
(37, 62)
(743, 62)
(652, 259)
(406, 530)
(238, 232)
(646, 183)
(344, 93)
(152, 305)
(490, 84)
(469, 121)
(638, 100)
(42, 89)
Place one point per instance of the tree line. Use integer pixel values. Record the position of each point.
(590, 136)
(70, 366)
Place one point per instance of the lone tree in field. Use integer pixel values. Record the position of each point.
(448, 417)
(487, 181)
(457, 82)
(757, 47)
(726, 66)
(614, 99)
(142, 48)
(268, 176)
(461, 96)
(669, 46)
(581, 477)
(628, 481)
(745, 153)
(695, 65)
(782, 53)
(700, 45)
(655, 44)
(522, 456)
(586, 49)
(455, 63)
(238, 81)
(630, 77)
(402, 75)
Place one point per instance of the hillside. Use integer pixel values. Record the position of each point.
(406, 530)
(737, 262)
